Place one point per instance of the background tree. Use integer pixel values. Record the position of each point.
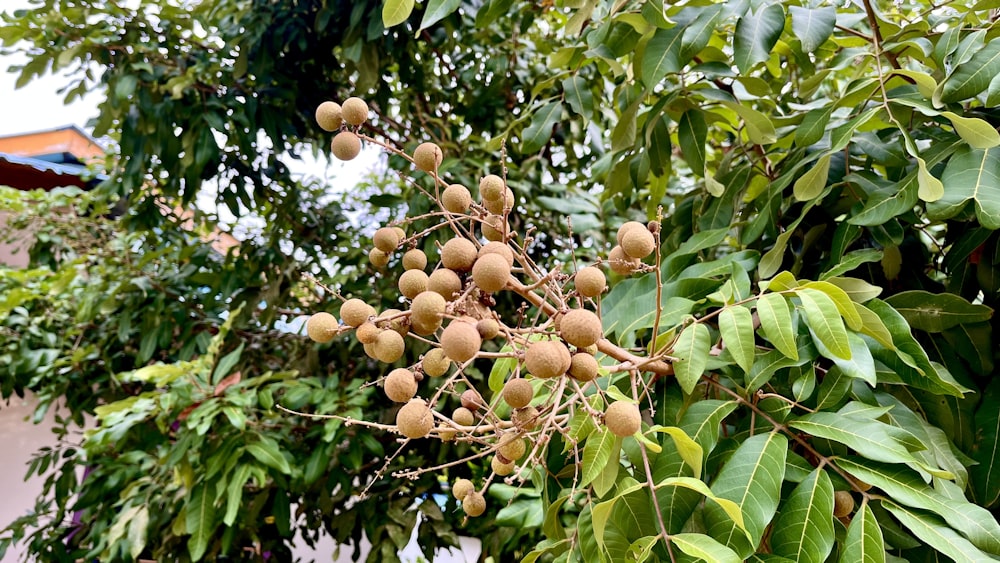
(850, 146)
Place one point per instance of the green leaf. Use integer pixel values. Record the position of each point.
(234, 493)
(756, 35)
(937, 535)
(977, 132)
(691, 350)
(813, 26)
(579, 95)
(985, 476)
(857, 290)
(699, 32)
(929, 188)
(824, 319)
(813, 125)
(500, 370)
(437, 10)
(226, 363)
(537, 134)
(972, 77)
(691, 134)
(759, 128)
(852, 260)
(623, 135)
(803, 530)
(864, 543)
(937, 312)
(661, 55)
(870, 438)
(971, 174)
(200, 520)
(522, 514)
(776, 322)
(845, 306)
(705, 548)
(702, 421)
(269, 453)
(395, 12)
(736, 326)
(811, 184)
(596, 453)
(688, 449)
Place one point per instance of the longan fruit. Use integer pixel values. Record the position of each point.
(463, 417)
(590, 281)
(622, 418)
(461, 488)
(328, 116)
(398, 323)
(446, 433)
(400, 385)
(414, 419)
(424, 329)
(377, 258)
(471, 400)
(435, 363)
(427, 308)
(843, 503)
(626, 227)
(412, 283)
(345, 146)
(495, 247)
(389, 346)
(354, 111)
(518, 393)
(501, 206)
(322, 327)
(456, 199)
(547, 359)
(474, 504)
(494, 228)
(386, 239)
(367, 332)
(512, 446)
(525, 418)
(638, 243)
(581, 328)
(621, 263)
(583, 367)
(488, 328)
(400, 233)
(500, 468)
(370, 350)
(458, 254)
(491, 272)
(427, 157)
(355, 311)
(414, 259)
(491, 187)
(445, 283)
(461, 341)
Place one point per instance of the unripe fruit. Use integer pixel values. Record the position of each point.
(389, 346)
(638, 243)
(491, 187)
(622, 418)
(494, 228)
(500, 468)
(458, 254)
(461, 488)
(435, 363)
(414, 419)
(461, 341)
(626, 227)
(526, 419)
(491, 272)
(621, 263)
(512, 446)
(377, 258)
(355, 311)
(471, 400)
(590, 281)
(345, 145)
(547, 358)
(367, 333)
(400, 385)
(494, 247)
(322, 327)
(463, 417)
(427, 157)
(583, 367)
(386, 239)
(518, 393)
(328, 116)
(488, 328)
(414, 259)
(843, 503)
(456, 199)
(581, 328)
(474, 504)
(501, 206)
(354, 111)
(445, 283)
(427, 308)
(412, 283)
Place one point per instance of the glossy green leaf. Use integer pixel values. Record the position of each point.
(268, 452)
(803, 530)
(977, 132)
(776, 323)
(691, 353)
(972, 77)
(538, 133)
(662, 55)
(521, 514)
(200, 520)
(813, 26)
(813, 125)
(688, 449)
(985, 475)
(856, 289)
(759, 128)
(578, 95)
(691, 133)
(929, 188)
(937, 312)
(736, 326)
(811, 184)
(596, 452)
(437, 10)
(864, 543)
(937, 534)
(705, 548)
(395, 12)
(971, 174)
(756, 34)
(824, 319)
(845, 306)
(702, 421)
(699, 32)
(870, 438)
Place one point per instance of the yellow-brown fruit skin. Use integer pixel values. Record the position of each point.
(458, 254)
(500, 206)
(494, 247)
(638, 243)
(322, 327)
(474, 504)
(581, 328)
(355, 311)
(354, 111)
(445, 283)
(590, 281)
(367, 332)
(427, 307)
(471, 400)
(389, 346)
(518, 393)
(583, 367)
(398, 324)
(491, 272)
(427, 157)
(488, 328)
(622, 418)
(512, 446)
(345, 146)
(414, 259)
(400, 385)
(377, 258)
(328, 116)
(525, 418)
(491, 187)
(547, 359)
(621, 263)
(494, 228)
(435, 363)
(627, 227)
(456, 199)
(461, 488)
(386, 239)
(461, 341)
(500, 468)
(412, 283)
(843, 504)
(463, 417)
(414, 419)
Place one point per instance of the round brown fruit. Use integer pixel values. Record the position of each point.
(400, 385)
(501, 206)
(389, 346)
(583, 367)
(322, 327)
(463, 417)
(355, 311)
(386, 239)
(581, 328)
(627, 227)
(367, 332)
(474, 504)
(427, 157)
(414, 259)
(488, 328)
(471, 400)
(526, 419)
(355, 111)
(590, 281)
(622, 418)
(495, 247)
(547, 359)
(458, 254)
(461, 341)
(445, 283)
(398, 322)
(500, 468)
(491, 272)
(518, 393)
(412, 283)
(456, 199)
(345, 146)
(638, 243)
(328, 116)
(461, 488)
(427, 307)
(843, 503)
(435, 363)
(414, 419)
(512, 446)
(494, 228)
(377, 258)
(621, 263)
(491, 187)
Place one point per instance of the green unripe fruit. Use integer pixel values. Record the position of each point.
(458, 254)
(547, 359)
(461, 488)
(590, 281)
(322, 327)
(386, 239)
(427, 157)
(355, 311)
(474, 504)
(400, 385)
(461, 341)
(491, 272)
(622, 418)
(445, 283)
(412, 283)
(491, 187)
(456, 199)
(583, 367)
(581, 328)
(345, 145)
(518, 393)
(414, 259)
(328, 116)
(389, 346)
(414, 419)
(354, 111)
(435, 363)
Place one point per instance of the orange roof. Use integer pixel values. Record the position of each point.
(69, 140)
